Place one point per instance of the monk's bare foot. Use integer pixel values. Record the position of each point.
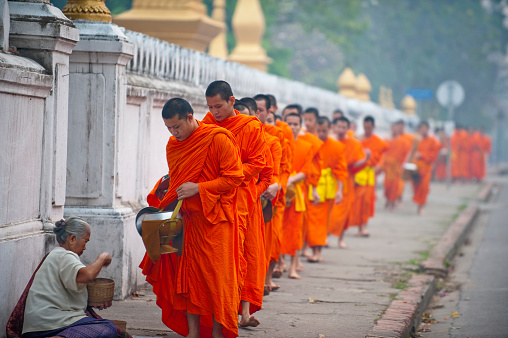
(274, 287)
(343, 245)
(420, 211)
(313, 259)
(306, 254)
(294, 275)
(251, 321)
(299, 267)
(277, 273)
(267, 290)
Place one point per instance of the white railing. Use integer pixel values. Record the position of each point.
(166, 61)
(160, 59)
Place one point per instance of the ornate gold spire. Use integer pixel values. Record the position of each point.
(347, 83)
(363, 88)
(249, 27)
(182, 22)
(409, 105)
(92, 10)
(218, 46)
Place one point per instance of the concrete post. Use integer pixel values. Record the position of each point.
(97, 99)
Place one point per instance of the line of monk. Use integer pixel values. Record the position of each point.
(470, 150)
(257, 189)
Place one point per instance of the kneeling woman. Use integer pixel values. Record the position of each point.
(57, 300)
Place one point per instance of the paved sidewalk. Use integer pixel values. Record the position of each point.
(346, 294)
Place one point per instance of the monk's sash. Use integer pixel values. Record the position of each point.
(299, 199)
(366, 176)
(327, 186)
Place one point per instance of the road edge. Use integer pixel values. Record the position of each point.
(403, 315)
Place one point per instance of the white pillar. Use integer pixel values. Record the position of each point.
(97, 101)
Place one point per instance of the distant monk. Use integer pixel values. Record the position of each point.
(393, 161)
(479, 152)
(409, 142)
(250, 138)
(463, 159)
(356, 160)
(274, 144)
(293, 214)
(242, 109)
(280, 201)
(425, 156)
(190, 289)
(310, 117)
(333, 176)
(440, 172)
(365, 180)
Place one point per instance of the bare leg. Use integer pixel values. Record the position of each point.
(217, 330)
(247, 319)
(193, 321)
(305, 253)
(420, 209)
(342, 243)
(268, 278)
(299, 265)
(292, 267)
(362, 230)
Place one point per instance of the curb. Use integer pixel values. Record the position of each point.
(404, 314)
(442, 254)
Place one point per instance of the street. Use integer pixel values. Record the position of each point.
(346, 294)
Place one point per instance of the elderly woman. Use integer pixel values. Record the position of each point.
(57, 299)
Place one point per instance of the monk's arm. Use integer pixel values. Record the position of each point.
(230, 172)
(296, 178)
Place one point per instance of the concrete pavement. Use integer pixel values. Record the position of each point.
(345, 295)
(472, 301)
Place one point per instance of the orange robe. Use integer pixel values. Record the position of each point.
(276, 154)
(292, 220)
(280, 201)
(250, 138)
(463, 155)
(456, 154)
(312, 179)
(339, 219)
(333, 157)
(428, 148)
(194, 282)
(408, 140)
(365, 182)
(393, 161)
(477, 156)
(441, 163)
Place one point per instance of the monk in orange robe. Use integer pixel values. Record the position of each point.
(463, 155)
(280, 201)
(293, 214)
(250, 138)
(356, 159)
(330, 186)
(425, 156)
(440, 172)
(477, 156)
(455, 160)
(310, 117)
(263, 105)
(409, 142)
(365, 180)
(393, 161)
(199, 296)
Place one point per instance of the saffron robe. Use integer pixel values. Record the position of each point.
(393, 162)
(409, 142)
(441, 162)
(339, 219)
(292, 220)
(477, 156)
(428, 148)
(334, 167)
(312, 179)
(279, 202)
(365, 181)
(250, 138)
(204, 280)
(487, 149)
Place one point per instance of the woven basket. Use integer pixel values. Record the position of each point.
(100, 291)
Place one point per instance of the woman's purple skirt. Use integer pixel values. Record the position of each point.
(83, 328)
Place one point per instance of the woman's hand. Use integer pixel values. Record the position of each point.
(105, 257)
(104, 306)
